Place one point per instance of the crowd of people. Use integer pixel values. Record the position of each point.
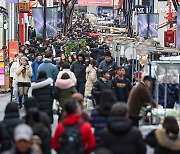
(50, 73)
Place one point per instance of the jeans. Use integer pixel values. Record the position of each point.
(15, 93)
(80, 87)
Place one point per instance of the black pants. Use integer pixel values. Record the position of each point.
(80, 87)
(135, 120)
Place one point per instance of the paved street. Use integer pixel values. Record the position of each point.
(4, 100)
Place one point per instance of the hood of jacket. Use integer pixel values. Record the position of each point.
(64, 83)
(46, 60)
(119, 125)
(42, 84)
(11, 115)
(72, 119)
(166, 142)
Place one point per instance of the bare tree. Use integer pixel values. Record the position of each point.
(68, 8)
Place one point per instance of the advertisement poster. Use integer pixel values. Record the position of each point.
(51, 22)
(143, 25)
(178, 28)
(13, 47)
(1, 55)
(2, 79)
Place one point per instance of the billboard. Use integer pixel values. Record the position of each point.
(144, 20)
(178, 28)
(51, 22)
(13, 47)
(107, 3)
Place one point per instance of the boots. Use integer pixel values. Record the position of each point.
(20, 101)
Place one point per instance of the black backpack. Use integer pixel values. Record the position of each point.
(70, 142)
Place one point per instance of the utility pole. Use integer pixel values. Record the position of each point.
(44, 30)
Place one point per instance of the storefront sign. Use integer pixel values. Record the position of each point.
(13, 50)
(2, 55)
(2, 79)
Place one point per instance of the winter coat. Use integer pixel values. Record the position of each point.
(121, 137)
(71, 74)
(11, 120)
(128, 88)
(21, 77)
(50, 69)
(162, 143)
(110, 66)
(14, 151)
(91, 77)
(98, 120)
(5, 140)
(87, 136)
(99, 86)
(66, 89)
(139, 97)
(79, 69)
(45, 136)
(35, 65)
(42, 91)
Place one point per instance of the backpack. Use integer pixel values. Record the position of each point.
(70, 142)
(36, 144)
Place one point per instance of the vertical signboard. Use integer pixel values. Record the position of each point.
(2, 71)
(13, 47)
(178, 28)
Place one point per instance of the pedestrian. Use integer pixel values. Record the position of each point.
(91, 77)
(140, 97)
(22, 138)
(12, 118)
(99, 115)
(79, 69)
(122, 85)
(40, 133)
(66, 88)
(43, 93)
(5, 140)
(84, 138)
(47, 66)
(121, 136)
(62, 60)
(165, 140)
(108, 64)
(101, 84)
(35, 65)
(14, 66)
(80, 99)
(31, 102)
(66, 69)
(24, 74)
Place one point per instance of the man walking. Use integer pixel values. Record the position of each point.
(122, 85)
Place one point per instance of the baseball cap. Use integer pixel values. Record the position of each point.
(23, 132)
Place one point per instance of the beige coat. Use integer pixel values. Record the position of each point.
(91, 77)
(27, 77)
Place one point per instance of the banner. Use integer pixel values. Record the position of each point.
(143, 20)
(13, 47)
(107, 3)
(2, 55)
(178, 28)
(51, 22)
(12, 1)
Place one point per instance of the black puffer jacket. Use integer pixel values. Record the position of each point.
(99, 86)
(11, 120)
(43, 92)
(79, 69)
(5, 140)
(121, 137)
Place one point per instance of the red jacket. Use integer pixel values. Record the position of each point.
(88, 138)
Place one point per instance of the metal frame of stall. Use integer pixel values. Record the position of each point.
(174, 64)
